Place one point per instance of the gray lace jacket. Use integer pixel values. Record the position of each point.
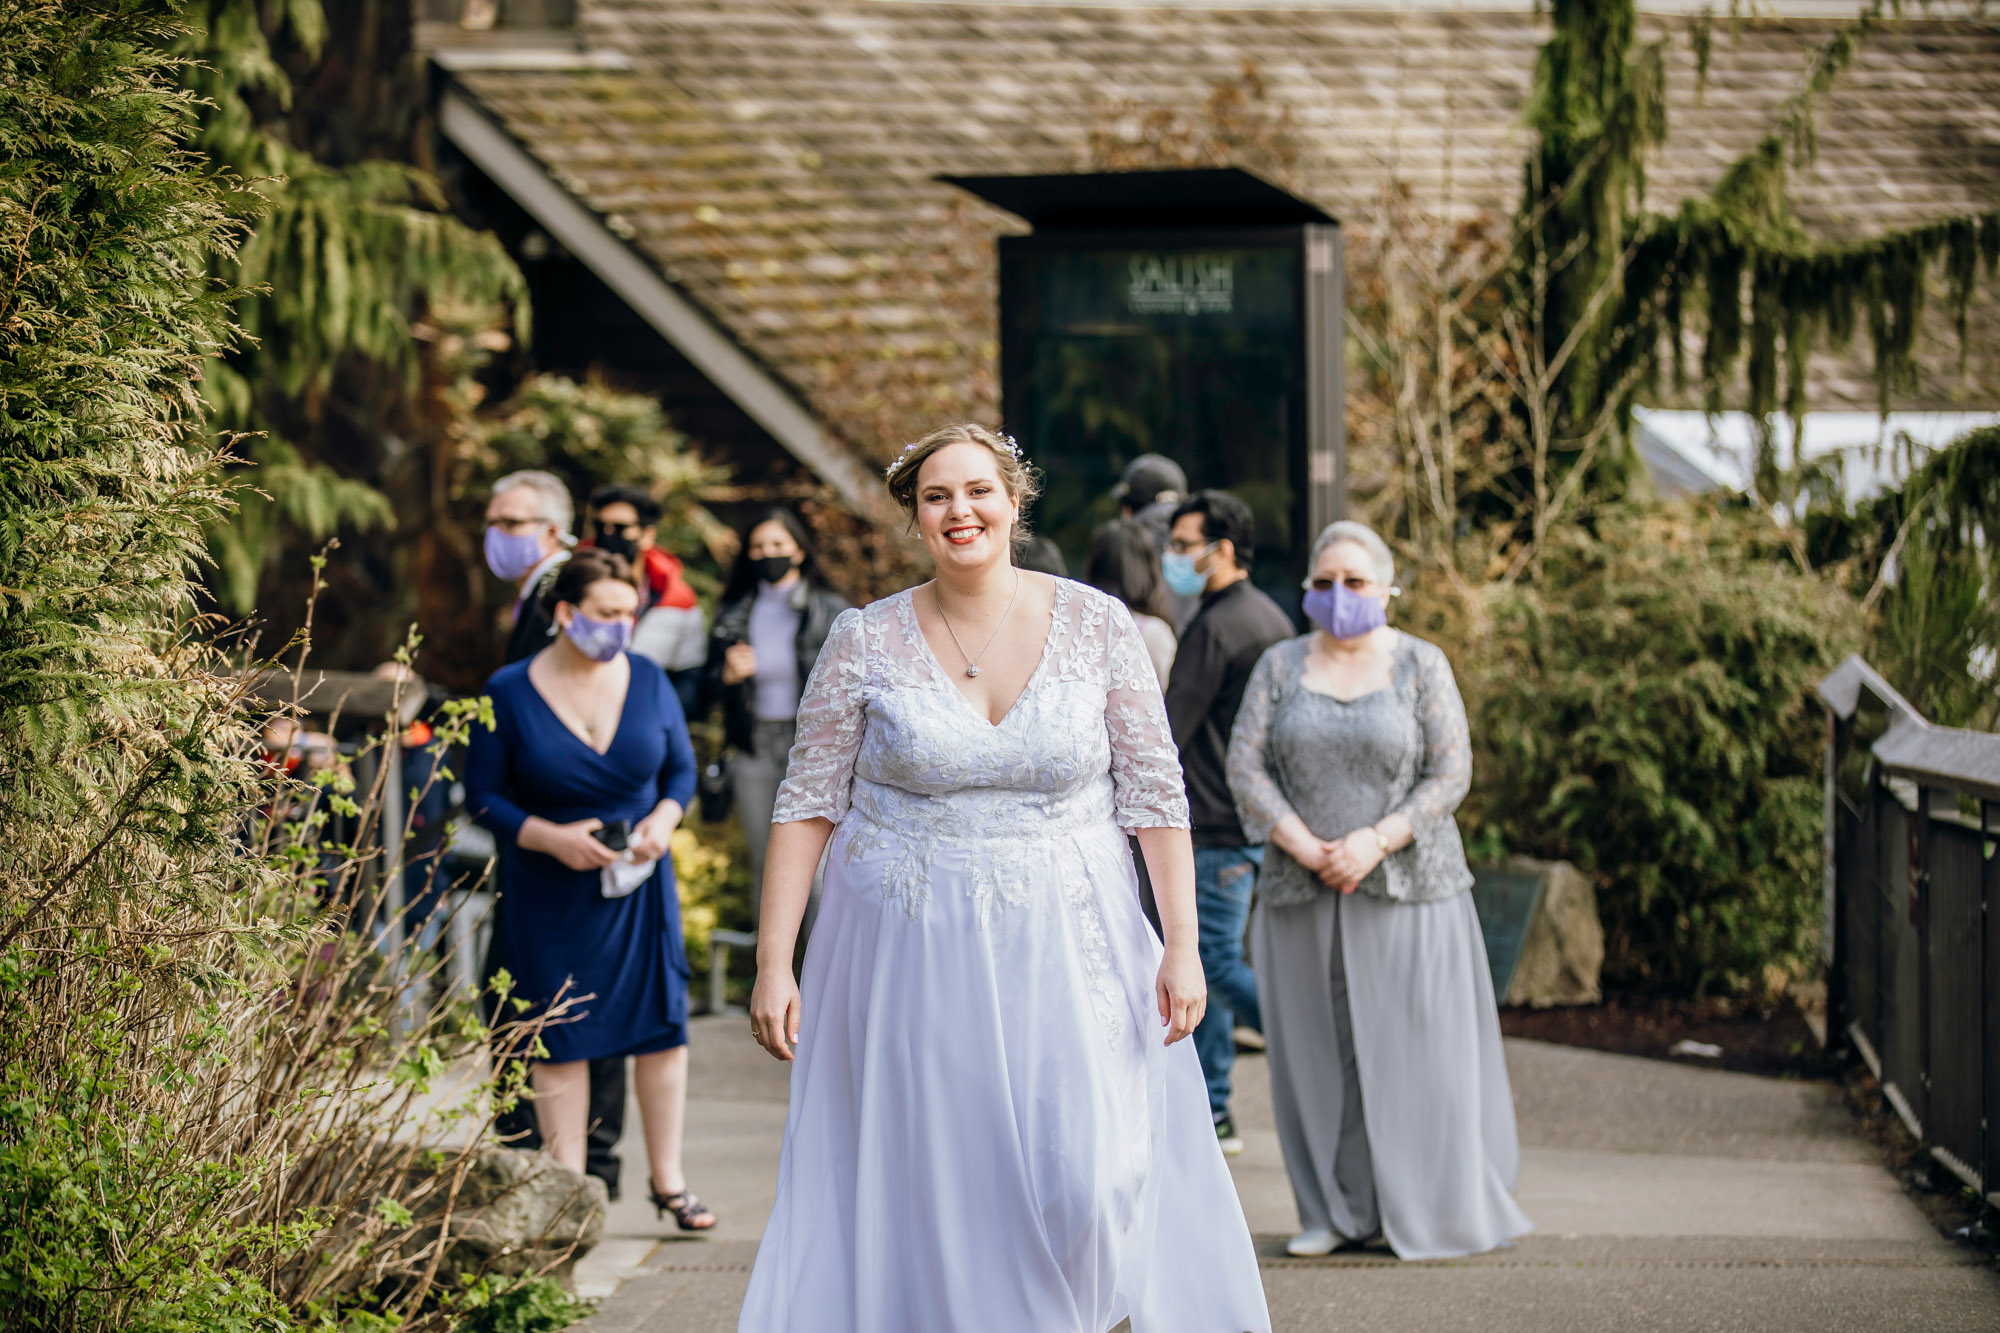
(1341, 765)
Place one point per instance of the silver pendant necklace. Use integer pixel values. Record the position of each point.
(972, 663)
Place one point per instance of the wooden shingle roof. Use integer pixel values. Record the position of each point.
(776, 160)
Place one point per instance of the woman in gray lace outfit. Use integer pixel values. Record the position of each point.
(1349, 756)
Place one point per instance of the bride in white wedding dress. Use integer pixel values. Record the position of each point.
(995, 1126)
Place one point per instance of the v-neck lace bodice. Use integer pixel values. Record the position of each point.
(937, 666)
(887, 748)
(1344, 764)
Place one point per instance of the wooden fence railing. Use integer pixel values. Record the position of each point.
(1913, 914)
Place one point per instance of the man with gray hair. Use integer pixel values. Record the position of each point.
(527, 540)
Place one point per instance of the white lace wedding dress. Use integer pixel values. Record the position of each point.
(986, 1133)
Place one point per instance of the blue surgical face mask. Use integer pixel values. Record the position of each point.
(1183, 579)
(599, 640)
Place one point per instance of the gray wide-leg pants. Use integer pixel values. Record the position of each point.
(1387, 1075)
(1315, 1078)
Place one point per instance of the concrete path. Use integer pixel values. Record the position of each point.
(1665, 1198)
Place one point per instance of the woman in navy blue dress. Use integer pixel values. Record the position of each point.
(586, 737)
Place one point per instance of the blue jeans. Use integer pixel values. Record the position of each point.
(1223, 878)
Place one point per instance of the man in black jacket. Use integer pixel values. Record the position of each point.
(1208, 552)
(528, 538)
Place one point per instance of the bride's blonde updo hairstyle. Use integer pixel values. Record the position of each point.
(1017, 474)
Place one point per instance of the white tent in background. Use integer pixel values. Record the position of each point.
(1691, 453)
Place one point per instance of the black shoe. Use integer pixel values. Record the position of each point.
(690, 1213)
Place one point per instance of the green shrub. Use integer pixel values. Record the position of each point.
(119, 767)
(523, 1305)
(1645, 711)
(1929, 554)
(590, 434)
(214, 1112)
(113, 1220)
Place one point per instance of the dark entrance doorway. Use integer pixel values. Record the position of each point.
(1194, 314)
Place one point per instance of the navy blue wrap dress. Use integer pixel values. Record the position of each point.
(626, 954)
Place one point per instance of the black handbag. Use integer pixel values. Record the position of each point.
(712, 792)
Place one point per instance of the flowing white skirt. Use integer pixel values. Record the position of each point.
(986, 1134)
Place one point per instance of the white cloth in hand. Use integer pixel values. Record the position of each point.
(625, 875)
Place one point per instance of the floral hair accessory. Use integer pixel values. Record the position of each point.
(1007, 442)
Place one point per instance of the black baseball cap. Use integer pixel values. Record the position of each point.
(1149, 479)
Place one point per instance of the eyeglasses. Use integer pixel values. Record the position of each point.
(1180, 547)
(631, 530)
(517, 525)
(1353, 583)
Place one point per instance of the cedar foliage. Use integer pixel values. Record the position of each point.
(1598, 108)
(1925, 562)
(115, 776)
(1733, 271)
(209, 1119)
(344, 261)
(107, 315)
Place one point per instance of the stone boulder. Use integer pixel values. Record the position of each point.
(519, 1212)
(1562, 951)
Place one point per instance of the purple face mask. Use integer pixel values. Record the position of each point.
(599, 640)
(511, 556)
(1344, 614)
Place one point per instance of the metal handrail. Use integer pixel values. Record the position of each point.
(1911, 893)
(1950, 758)
(351, 699)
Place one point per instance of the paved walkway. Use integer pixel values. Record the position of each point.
(1665, 1198)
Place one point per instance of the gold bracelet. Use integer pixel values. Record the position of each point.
(1381, 843)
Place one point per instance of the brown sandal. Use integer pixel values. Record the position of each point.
(688, 1211)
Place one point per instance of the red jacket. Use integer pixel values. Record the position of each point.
(664, 581)
(664, 584)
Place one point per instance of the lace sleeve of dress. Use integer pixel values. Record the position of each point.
(1148, 790)
(1260, 802)
(1444, 772)
(832, 714)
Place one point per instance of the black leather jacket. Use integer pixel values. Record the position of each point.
(817, 607)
